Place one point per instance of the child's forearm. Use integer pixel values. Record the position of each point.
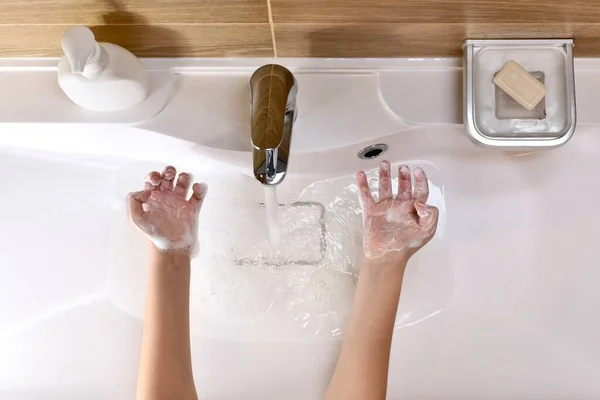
(165, 366)
(362, 368)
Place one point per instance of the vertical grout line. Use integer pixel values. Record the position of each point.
(272, 25)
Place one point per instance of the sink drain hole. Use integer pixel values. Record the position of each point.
(370, 152)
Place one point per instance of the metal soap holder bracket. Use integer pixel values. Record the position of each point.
(550, 125)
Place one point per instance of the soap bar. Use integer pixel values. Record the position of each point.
(520, 85)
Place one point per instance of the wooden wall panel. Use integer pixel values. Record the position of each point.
(207, 40)
(295, 28)
(435, 11)
(157, 28)
(123, 12)
(416, 39)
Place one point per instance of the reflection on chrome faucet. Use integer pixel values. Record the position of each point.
(273, 90)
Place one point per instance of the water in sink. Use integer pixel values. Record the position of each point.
(246, 287)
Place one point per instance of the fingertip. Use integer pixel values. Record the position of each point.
(200, 189)
(364, 190)
(183, 183)
(421, 191)
(385, 170)
(404, 183)
(362, 180)
(169, 172)
(419, 174)
(385, 181)
(385, 166)
(153, 178)
(167, 177)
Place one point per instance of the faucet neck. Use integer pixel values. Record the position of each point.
(273, 92)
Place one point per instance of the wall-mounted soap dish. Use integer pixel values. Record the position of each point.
(494, 119)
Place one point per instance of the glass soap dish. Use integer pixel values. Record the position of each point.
(494, 119)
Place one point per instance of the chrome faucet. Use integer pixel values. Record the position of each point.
(273, 111)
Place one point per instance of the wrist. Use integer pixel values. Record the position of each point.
(169, 257)
(390, 268)
(389, 263)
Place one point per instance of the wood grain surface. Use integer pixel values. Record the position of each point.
(435, 11)
(126, 12)
(418, 40)
(298, 28)
(207, 40)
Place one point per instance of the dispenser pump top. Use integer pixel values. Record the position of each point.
(84, 54)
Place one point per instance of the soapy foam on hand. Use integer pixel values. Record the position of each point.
(393, 240)
(395, 224)
(162, 243)
(394, 230)
(170, 222)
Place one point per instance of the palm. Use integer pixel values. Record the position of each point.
(168, 215)
(164, 214)
(398, 225)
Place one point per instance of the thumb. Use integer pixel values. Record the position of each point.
(199, 191)
(135, 201)
(427, 214)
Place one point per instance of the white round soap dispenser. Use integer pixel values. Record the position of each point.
(100, 76)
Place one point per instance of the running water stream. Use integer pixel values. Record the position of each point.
(272, 206)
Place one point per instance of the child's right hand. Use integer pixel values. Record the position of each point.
(163, 213)
(395, 228)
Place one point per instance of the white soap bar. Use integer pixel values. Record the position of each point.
(520, 85)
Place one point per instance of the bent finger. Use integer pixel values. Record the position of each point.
(152, 181)
(183, 183)
(167, 178)
(404, 183)
(364, 190)
(135, 202)
(428, 215)
(421, 192)
(199, 191)
(385, 181)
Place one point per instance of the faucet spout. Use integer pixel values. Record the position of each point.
(273, 90)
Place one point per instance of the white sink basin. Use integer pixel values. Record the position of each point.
(295, 302)
(501, 304)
